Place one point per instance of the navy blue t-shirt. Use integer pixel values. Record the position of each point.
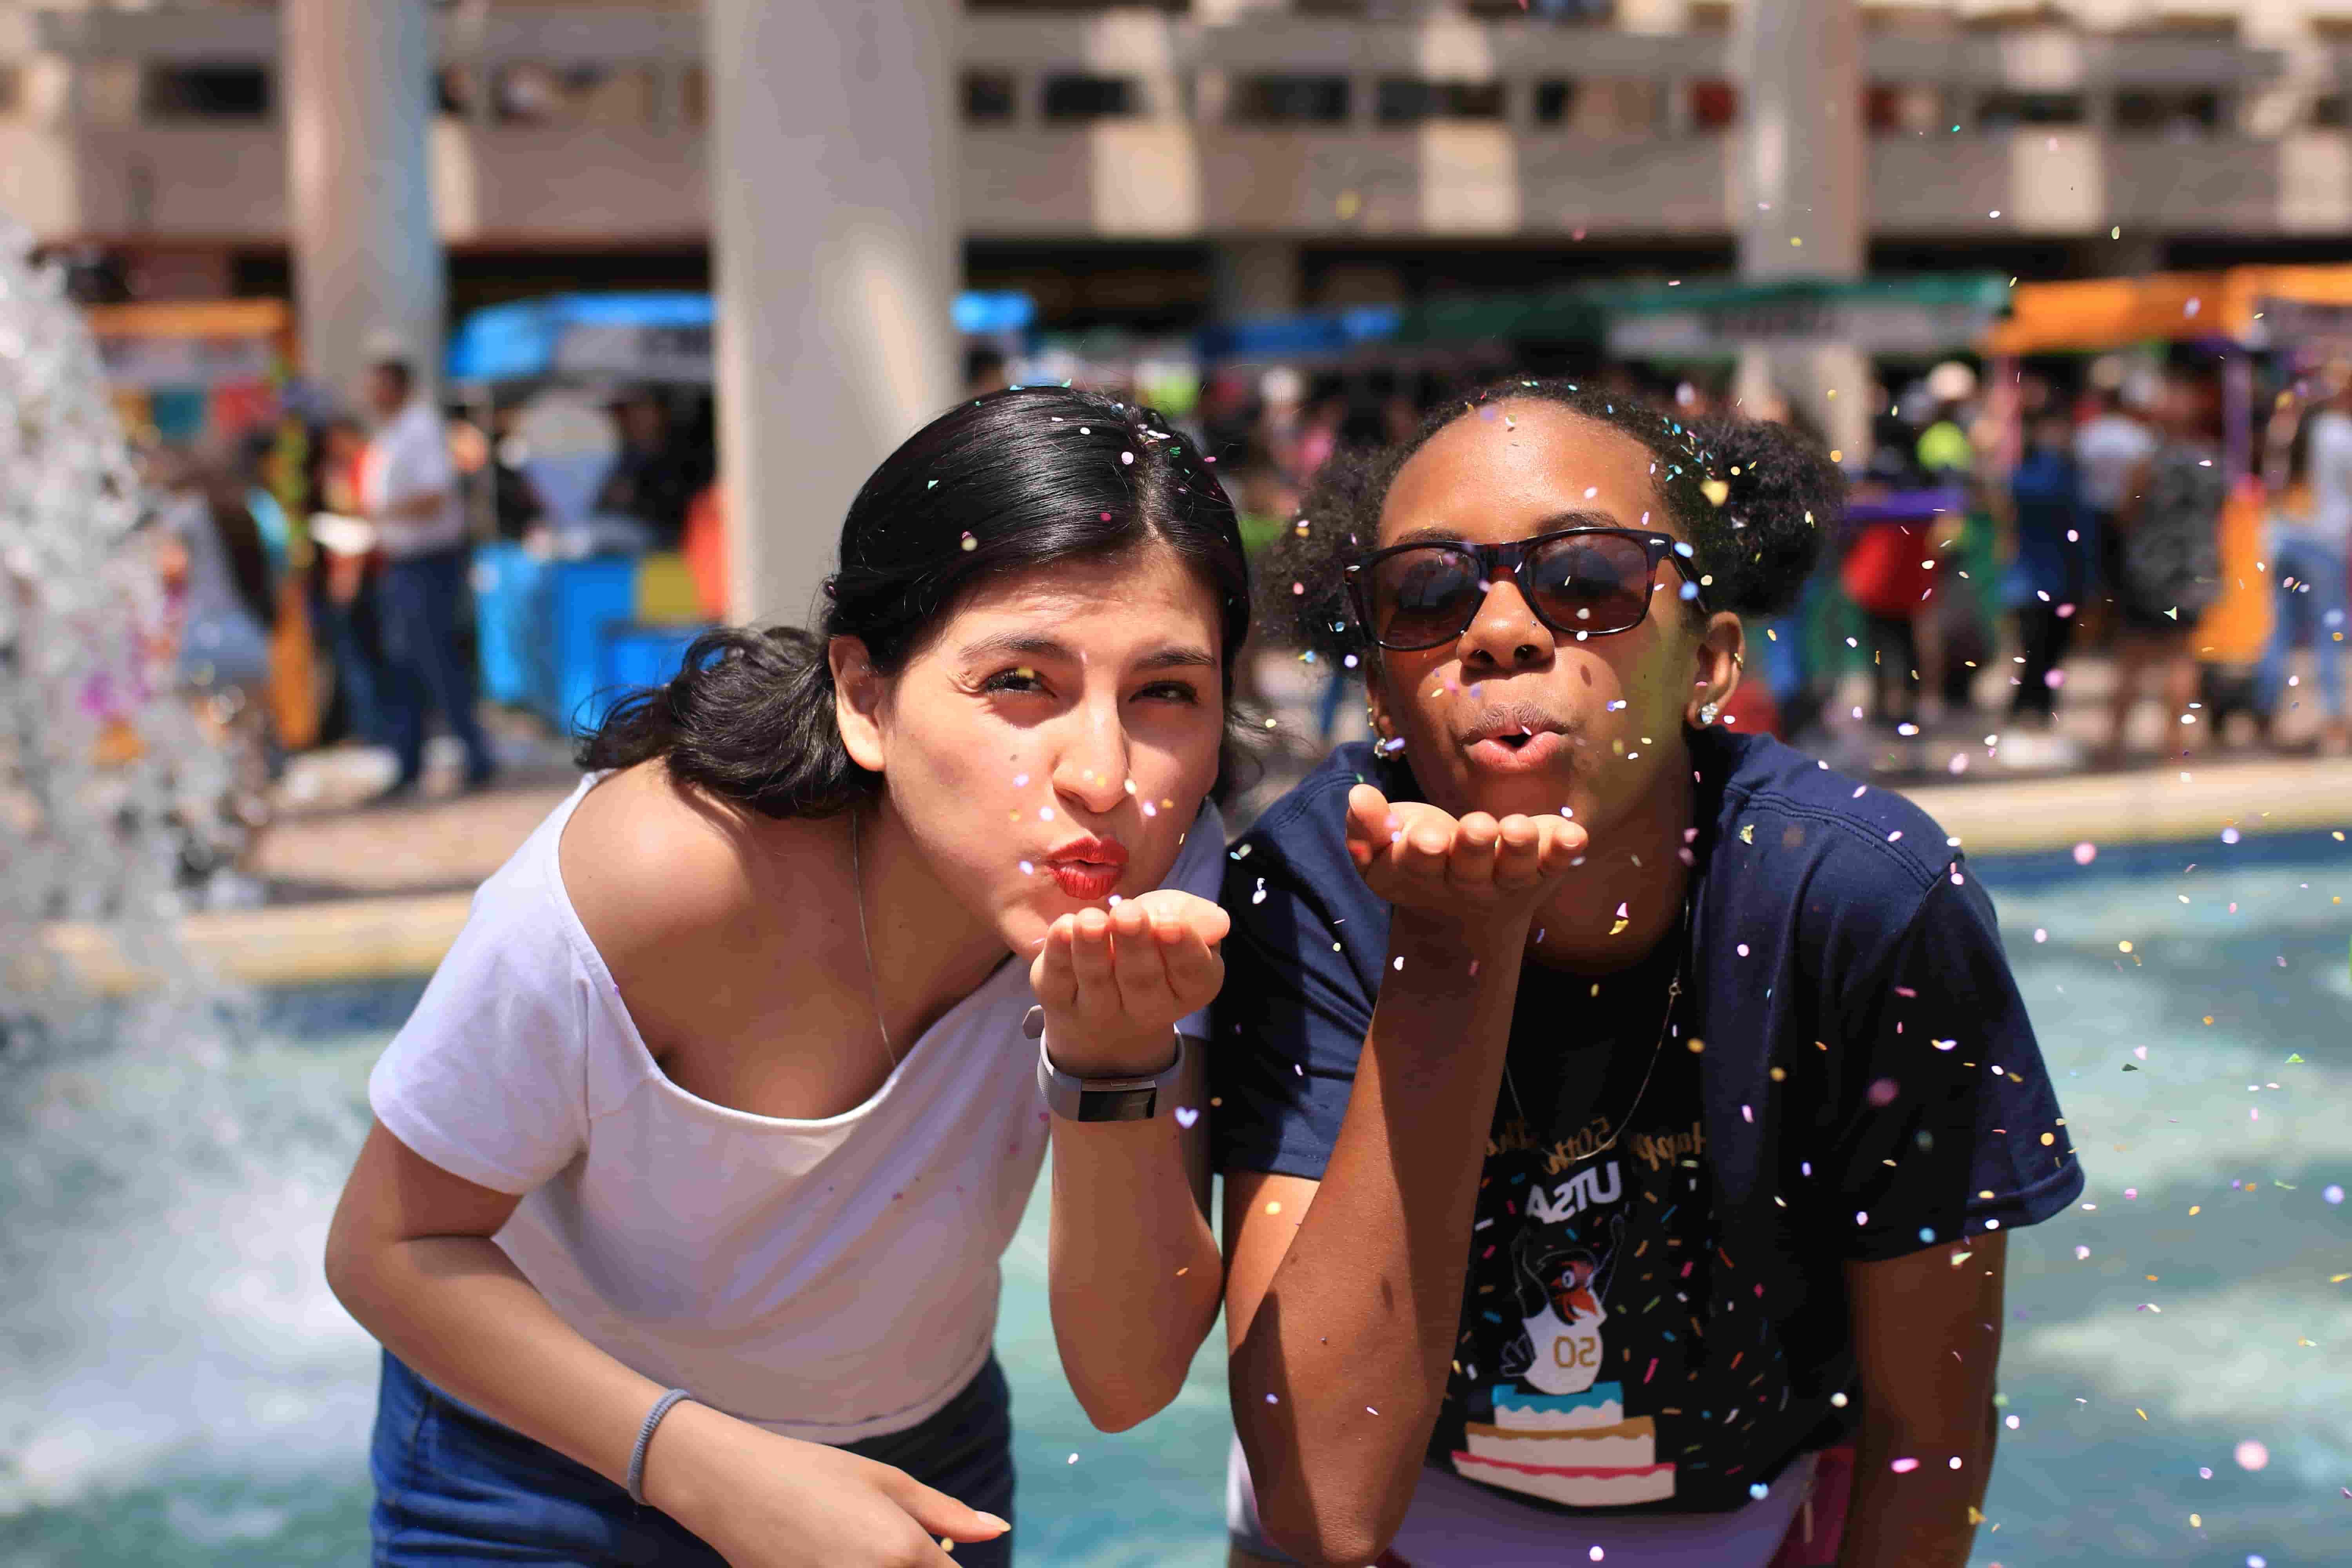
(1654, 1315)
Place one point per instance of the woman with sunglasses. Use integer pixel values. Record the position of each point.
(1617, 1111)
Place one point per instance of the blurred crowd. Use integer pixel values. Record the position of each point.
(1993, 535)
(320, 567)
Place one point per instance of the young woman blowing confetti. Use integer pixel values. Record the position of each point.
(1617, 1110)
(727, 1090)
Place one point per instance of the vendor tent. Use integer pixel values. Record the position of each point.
(590, 337)
(1716, 319)
(2255, 307)
(642, 338)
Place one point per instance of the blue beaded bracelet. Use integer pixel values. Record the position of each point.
(646, 1435)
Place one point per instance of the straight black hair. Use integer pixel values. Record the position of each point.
(1013, 481)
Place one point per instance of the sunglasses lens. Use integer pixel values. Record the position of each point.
(1590, 582)
(1423, 598)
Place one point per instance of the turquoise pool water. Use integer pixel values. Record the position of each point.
(177, 1388)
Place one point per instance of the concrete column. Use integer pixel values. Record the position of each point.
(837, 256)
(1802, 152)
(358, 81)
(1253, 277)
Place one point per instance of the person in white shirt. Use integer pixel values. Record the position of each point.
(2310, 560)
(408, 490)
(729, 1086)
(2108, 451)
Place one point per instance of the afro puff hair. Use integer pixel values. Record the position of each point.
(1753, 500)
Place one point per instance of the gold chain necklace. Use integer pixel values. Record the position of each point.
(1674, 995)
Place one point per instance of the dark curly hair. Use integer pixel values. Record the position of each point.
(1018, 480)
(1755, 538)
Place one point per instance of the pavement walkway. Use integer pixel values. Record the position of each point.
(359, 892)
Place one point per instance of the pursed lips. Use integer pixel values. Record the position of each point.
(1513, 723)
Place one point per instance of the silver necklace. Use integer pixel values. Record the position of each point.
(1674, 995)
(873, 982)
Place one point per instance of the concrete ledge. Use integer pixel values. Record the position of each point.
(403, 937)
(354, 939)
(2151, 806)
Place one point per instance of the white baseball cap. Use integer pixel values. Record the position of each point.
(386, 346)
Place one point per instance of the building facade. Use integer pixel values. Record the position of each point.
(1153, 165)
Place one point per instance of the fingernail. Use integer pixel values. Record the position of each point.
(1002, 1524)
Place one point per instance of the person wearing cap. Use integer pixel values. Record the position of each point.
(408, 490)
(2108, 448)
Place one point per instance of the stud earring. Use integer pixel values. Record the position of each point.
(1707, 712)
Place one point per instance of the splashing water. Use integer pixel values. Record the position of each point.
(165, 1180)
(105, 780)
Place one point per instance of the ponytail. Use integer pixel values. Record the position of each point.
(749, 717)
(1781, 496)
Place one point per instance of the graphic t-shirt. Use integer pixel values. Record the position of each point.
(1654, 1316)
(1581, 1355)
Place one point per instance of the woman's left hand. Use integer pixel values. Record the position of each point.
(1114, 983)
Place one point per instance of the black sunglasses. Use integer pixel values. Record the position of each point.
(1591, 582)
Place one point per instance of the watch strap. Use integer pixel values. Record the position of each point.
(1075, 1098)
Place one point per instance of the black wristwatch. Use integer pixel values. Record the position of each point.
(1075, 1098)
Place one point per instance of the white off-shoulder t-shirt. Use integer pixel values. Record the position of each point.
(831, 1280)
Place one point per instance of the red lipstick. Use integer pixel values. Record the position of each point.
(1088, 869)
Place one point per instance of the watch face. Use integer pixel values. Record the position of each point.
(1117, 1104)
(1104, 1100)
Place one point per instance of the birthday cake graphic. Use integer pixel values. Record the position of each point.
(1576, 1449)
(1569, 1441)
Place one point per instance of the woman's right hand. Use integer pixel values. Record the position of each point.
(1476, 872)
(762, 1501)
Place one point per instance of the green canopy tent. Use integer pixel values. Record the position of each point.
(1715, 319)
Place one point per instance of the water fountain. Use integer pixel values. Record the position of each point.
(103, 775)
(166, 1170)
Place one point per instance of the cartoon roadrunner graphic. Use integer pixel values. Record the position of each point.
(1561, 1289)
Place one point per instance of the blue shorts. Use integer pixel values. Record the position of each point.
(455, 1488)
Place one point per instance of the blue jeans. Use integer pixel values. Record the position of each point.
(2314, 609)
(418, 601)
(456, 1489)
(347, 630)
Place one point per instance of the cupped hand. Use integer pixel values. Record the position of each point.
(1114, 981)
(1477, 871)
(763, 1501)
